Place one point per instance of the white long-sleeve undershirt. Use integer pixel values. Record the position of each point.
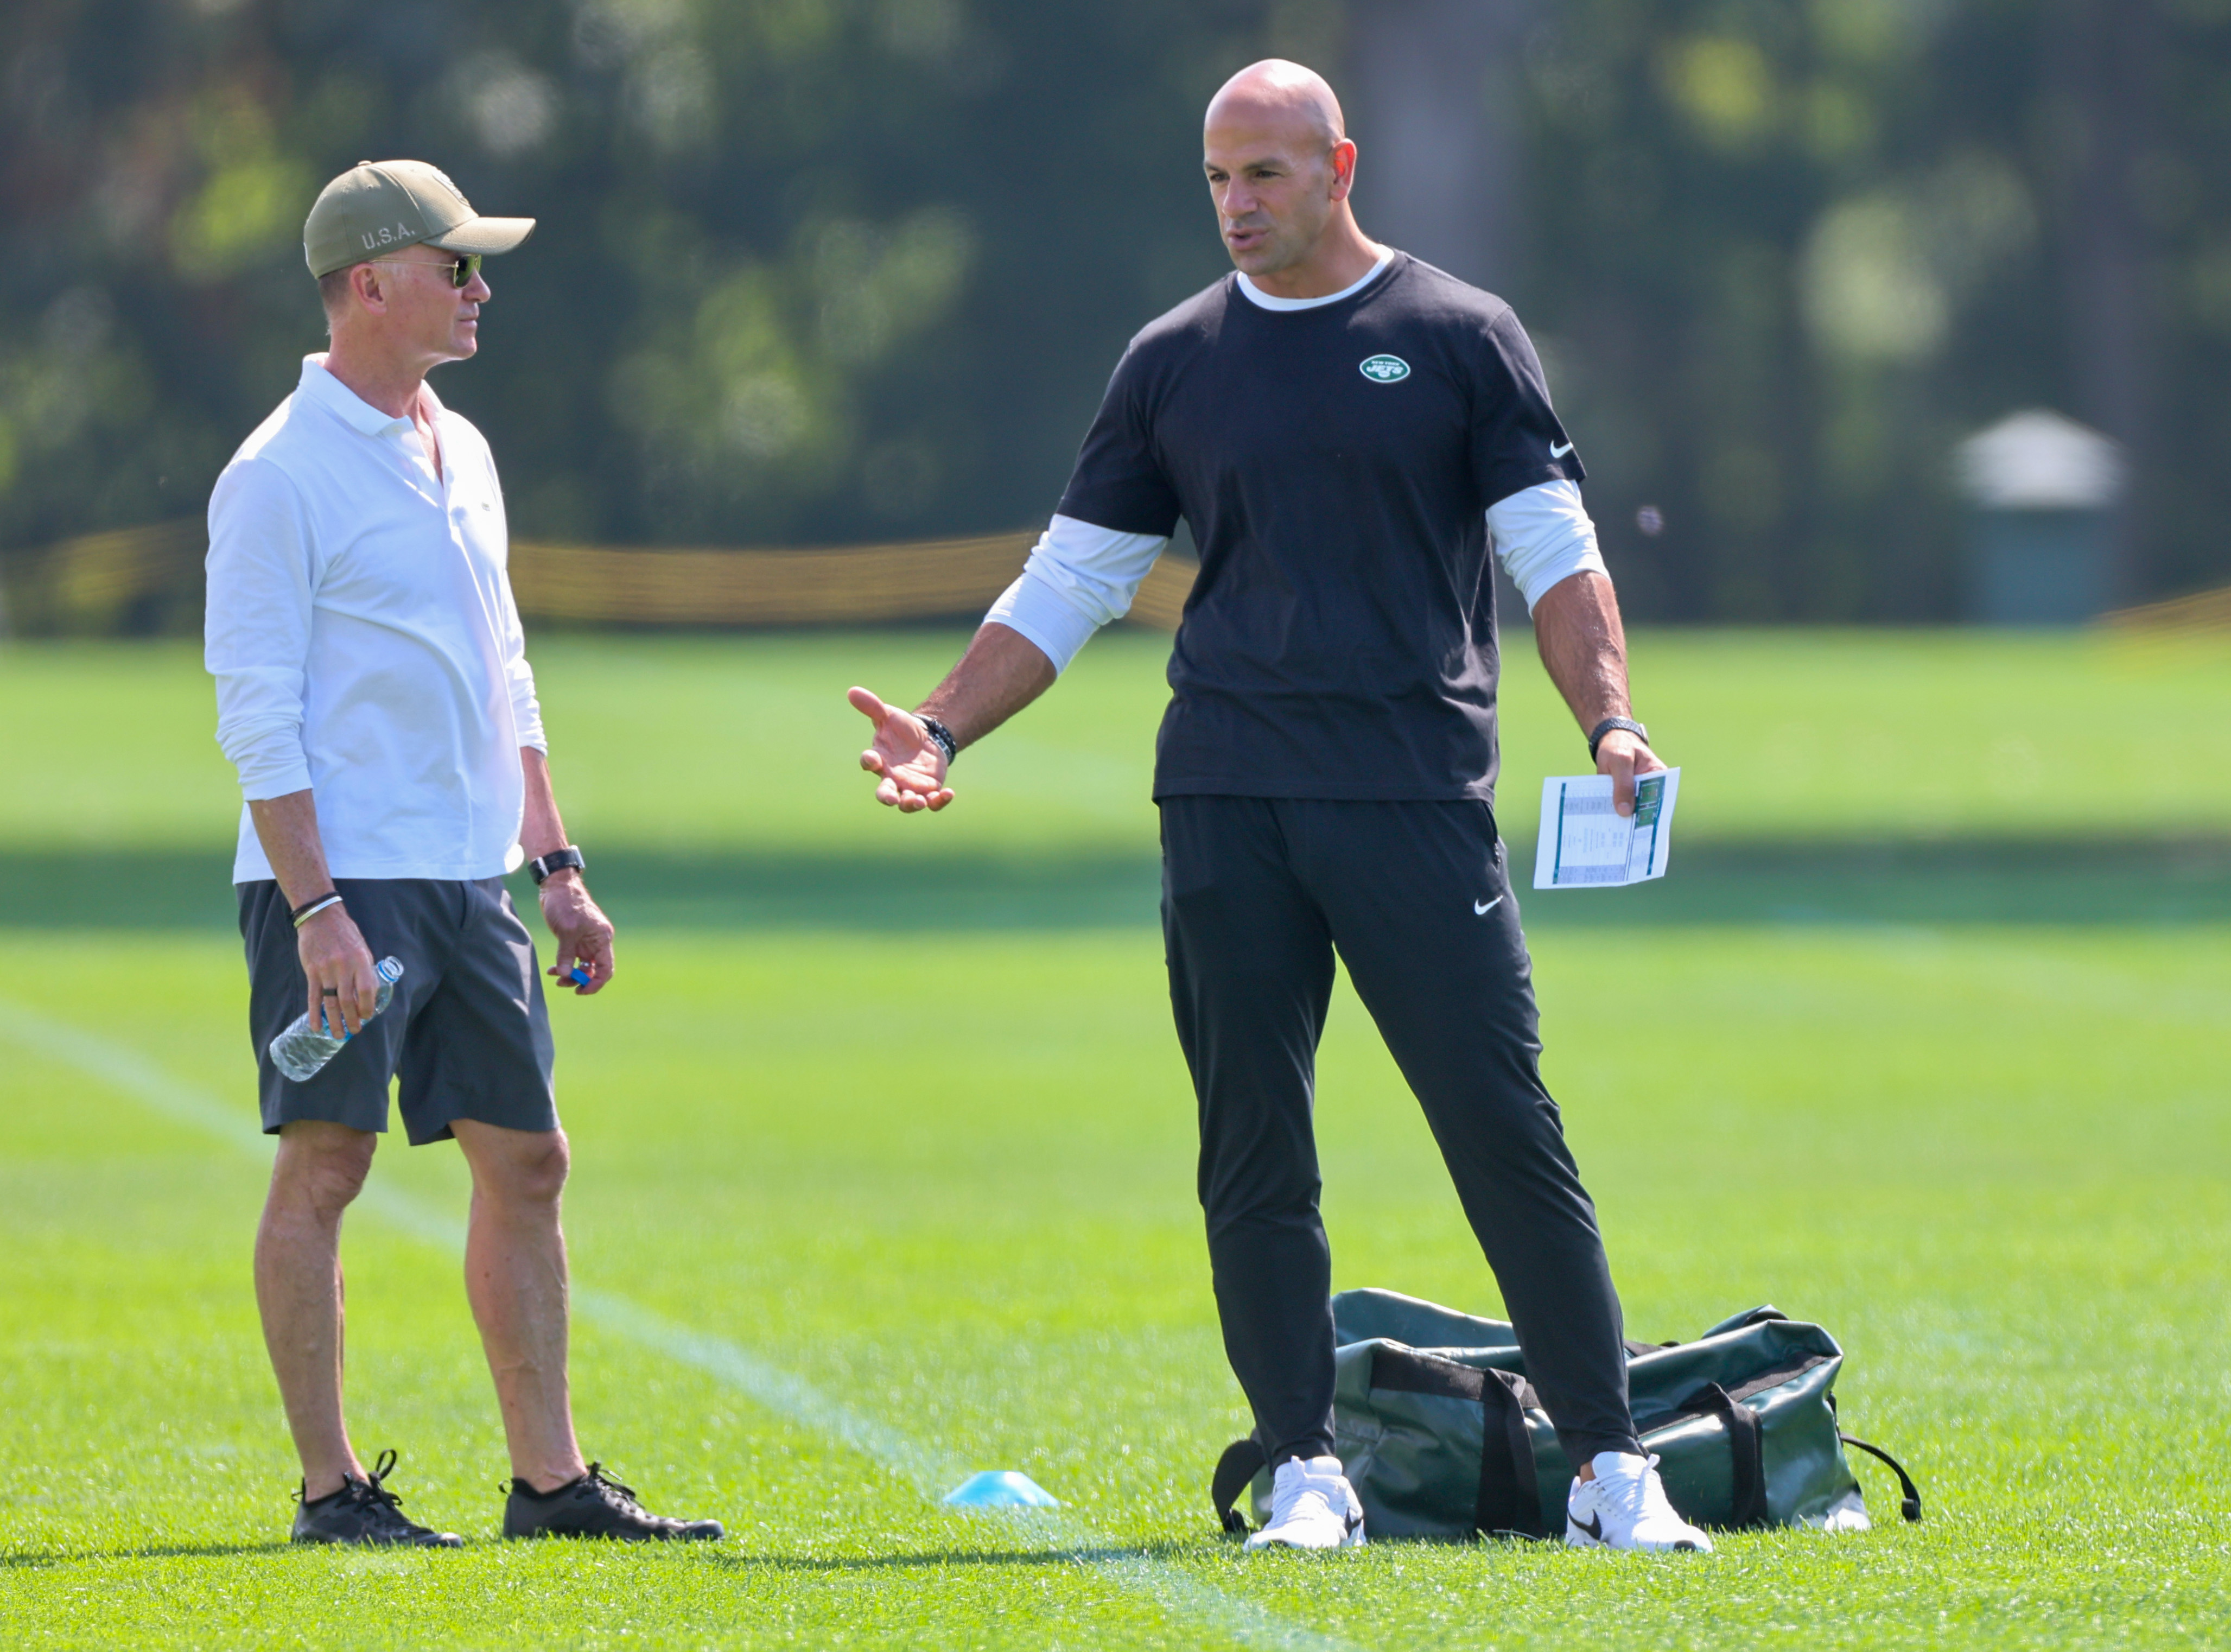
(1080, 576)
(1543, 535)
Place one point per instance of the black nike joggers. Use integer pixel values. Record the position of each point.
(1257, 894)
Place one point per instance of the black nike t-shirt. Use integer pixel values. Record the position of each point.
(1336, 464)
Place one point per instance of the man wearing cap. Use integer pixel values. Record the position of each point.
(374, 694)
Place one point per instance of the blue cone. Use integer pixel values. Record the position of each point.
(1002, 1488)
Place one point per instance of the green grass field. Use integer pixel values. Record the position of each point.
(883, 1169)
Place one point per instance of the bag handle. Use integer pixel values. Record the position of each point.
(1748, 1503)
(1241, 1461)
(1509, 1496)
(1911, 1507)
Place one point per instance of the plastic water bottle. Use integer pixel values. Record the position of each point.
(304, 1046)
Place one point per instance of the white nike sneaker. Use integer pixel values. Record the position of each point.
(1312, 1506)
(1625, 1507)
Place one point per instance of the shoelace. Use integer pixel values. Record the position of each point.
(1283, 1510)
(599, 1479)
(371, 1491)
(1635, 1501)
(375, 1484)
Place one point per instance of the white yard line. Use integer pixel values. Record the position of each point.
(1184, 1597)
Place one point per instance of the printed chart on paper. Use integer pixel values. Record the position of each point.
(1586, 844)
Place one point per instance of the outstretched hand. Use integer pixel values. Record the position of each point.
(909, 765)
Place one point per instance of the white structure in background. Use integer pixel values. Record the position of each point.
(2044, 489)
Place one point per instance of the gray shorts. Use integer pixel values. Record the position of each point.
(467, 1032)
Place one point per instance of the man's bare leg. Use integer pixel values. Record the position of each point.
(319, 1170)
(515, 1277)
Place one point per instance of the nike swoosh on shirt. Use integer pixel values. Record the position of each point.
(1556, 452)
(1479, 911)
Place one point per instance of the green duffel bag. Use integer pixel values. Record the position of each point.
(1442, 1436)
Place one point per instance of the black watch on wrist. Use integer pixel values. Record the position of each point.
(1596, 733)
(541, 868)
(940, 736)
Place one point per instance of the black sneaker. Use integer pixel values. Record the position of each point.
(595, 1506)
(364, 1510)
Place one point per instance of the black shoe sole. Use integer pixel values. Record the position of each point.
(713, 1536)
(441, 1540)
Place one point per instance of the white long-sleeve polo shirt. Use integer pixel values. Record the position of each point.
(361, 629)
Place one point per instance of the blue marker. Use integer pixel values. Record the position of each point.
(1002, 1488)
(578, 976)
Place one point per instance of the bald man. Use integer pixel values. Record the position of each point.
(1349, 432)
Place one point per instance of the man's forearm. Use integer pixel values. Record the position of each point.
(542, 831)
(582, 932)
(287, 827)
(1002, 672)
(1584, 647)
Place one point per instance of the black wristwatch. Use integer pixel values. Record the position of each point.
(1596, 733)
(556, 860)
(940, 736)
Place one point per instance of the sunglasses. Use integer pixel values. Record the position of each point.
(461, 273)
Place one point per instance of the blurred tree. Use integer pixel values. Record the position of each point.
(818, 270)
(1786, 254)
(806, 270)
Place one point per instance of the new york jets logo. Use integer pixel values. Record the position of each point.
(1384, 370)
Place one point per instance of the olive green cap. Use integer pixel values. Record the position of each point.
(377, 206)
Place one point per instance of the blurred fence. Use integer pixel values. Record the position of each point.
(147, 581)
(134, 582)
(2209, 611)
